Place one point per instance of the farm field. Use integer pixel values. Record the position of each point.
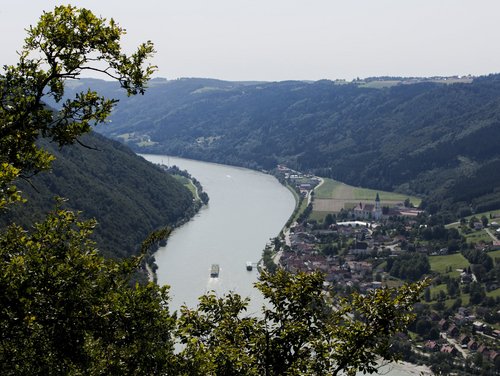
(464, 297)
(478, 236)
(333, 196)
(448, 264)
(436, 289)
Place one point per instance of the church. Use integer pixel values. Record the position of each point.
(369, 211)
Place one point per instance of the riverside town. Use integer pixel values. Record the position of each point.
(365, 246)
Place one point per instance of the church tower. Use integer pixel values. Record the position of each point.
(377, 212)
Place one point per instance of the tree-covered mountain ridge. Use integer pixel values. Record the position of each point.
(127, 195)
(433, 139)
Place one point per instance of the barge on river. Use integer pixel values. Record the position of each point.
(214, 271)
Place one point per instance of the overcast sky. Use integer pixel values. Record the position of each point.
(276, 40)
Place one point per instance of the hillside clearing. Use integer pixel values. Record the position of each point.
(449, 264)
(333, 196)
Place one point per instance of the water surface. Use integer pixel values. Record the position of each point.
(246, 209)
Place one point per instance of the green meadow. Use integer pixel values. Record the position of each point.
(448, 264)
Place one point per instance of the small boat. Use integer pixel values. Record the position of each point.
(214, 271)
(249, 265)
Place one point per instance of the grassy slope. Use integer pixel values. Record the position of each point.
(327, 189)
(495, 255)
(331, 189)
(441, 264)
(187, 183)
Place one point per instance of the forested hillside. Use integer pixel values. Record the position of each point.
(433, 139)
(127, 195)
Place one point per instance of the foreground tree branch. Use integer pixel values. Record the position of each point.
(64, 43)
(303, 330)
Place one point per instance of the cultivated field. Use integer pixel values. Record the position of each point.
(333, 196)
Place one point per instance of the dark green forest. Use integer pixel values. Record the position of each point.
(128, 196)
(432, 139)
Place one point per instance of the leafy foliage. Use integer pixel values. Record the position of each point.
(217, 339)
(409, 266)
(67, 310)
(300, 332)
(478, 257)
(108, 184)
(64, 43)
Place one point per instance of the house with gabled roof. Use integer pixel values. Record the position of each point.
(432, 346)
(464, 339)
(443, 325)
(472, 345)
(453, 331)
(483, 349)
(449, 349)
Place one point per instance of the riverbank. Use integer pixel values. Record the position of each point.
(246, 209)
(200, 198)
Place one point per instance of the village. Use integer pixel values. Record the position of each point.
(356, 232)
(354, 249)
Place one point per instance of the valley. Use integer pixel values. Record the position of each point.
(303, 224)
(432, 139)
(421, 168)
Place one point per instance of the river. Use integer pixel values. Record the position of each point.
(246, 209)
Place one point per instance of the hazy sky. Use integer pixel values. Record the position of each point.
(278, 40)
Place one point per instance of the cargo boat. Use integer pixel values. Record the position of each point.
(214, 271)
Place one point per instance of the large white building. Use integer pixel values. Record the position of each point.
(369, 211)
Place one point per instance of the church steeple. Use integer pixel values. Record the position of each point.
(378, 209)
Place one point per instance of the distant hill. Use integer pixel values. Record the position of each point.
(127, 195)
(435, 138)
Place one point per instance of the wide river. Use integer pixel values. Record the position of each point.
(246, 209)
